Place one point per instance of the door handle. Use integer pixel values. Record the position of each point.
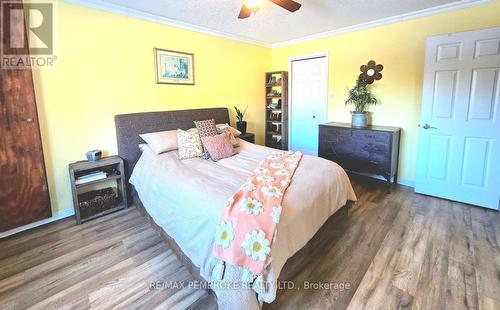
(427, 126)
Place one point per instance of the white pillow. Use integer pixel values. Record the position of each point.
(143, 146)
(234, 131)
(161, 141)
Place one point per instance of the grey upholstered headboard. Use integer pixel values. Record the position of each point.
(130, 126)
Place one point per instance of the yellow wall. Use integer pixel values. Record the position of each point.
(400, 48)
(105, 67)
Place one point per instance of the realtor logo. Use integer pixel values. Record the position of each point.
(27, 34)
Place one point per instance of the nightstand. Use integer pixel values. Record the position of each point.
(248, 136)
(90, 198)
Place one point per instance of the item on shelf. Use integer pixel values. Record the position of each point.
(90, 177)
(279, 104)
(271, 81)
(275, 116)
(273, 93)
(275, 138)
(94, 155)
(272, 105)
(96, 201)
(111, 170)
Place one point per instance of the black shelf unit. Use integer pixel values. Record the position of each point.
(111, 163)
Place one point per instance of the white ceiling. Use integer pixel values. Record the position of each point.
(274, 24)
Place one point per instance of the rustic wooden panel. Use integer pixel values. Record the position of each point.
(24, 196)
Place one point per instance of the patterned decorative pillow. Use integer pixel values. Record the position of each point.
(218, 146)
(206, 128)
(189, 144)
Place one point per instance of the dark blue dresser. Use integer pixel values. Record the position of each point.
(373, 150)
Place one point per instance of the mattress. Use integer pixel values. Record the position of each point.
(186, 198)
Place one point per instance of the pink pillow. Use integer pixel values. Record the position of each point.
(218, 146)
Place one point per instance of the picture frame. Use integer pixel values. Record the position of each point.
(173, 67)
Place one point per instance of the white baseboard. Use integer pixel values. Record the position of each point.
(405, 182)
(57, 216)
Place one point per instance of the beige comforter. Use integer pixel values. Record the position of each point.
(186, 198)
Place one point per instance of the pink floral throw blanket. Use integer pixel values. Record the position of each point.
(247, 227)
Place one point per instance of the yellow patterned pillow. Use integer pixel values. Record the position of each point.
(189, 143)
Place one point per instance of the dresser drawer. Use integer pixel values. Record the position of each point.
(376, 136)
(333, 134)
(361, 160)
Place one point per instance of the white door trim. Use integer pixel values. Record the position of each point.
(290, 77)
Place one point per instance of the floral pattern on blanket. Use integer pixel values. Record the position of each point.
(248, 224)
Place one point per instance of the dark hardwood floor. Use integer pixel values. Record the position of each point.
(397, 250)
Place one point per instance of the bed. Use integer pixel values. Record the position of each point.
(184, 198)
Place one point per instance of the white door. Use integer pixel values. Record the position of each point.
(459, 147)
(308, 102)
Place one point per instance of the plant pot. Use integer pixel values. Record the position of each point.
(242, 126)
(359, 119)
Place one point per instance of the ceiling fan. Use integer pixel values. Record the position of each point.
(252, 6)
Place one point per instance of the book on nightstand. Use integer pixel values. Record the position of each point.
(99, 175)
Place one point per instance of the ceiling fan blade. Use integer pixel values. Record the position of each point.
(245, 12)
(289, 5)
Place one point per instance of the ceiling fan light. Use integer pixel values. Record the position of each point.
(255, 4)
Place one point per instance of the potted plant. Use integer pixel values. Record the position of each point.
(360, 95)
(361, 98)
(241, 125)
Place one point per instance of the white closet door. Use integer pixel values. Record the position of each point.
(308, 102)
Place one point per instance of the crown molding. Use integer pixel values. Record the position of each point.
(134, 13)
(122, 10)
(386, 21)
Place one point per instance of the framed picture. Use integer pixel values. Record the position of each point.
(174, 67)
